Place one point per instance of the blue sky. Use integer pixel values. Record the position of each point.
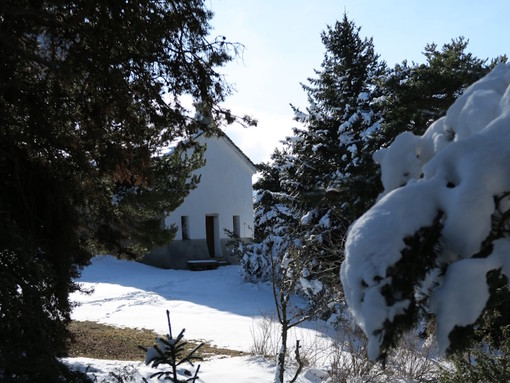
(283, 47)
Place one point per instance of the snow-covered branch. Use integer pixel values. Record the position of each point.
(454, 171)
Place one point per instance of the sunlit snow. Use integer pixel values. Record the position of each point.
(215, 306)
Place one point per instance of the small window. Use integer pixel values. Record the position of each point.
(185, 226)
(236, 225)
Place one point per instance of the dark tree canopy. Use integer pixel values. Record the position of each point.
(90, 92)
(415, 95)
(324, 178)
(342, 115)
(323, 162)
(331, 154)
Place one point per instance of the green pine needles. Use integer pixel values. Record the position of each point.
(172, 352)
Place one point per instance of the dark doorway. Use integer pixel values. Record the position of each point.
(209, 234)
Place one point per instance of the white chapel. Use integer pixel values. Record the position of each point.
(222, 200)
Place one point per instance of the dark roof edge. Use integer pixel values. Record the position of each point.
(243, 155)
(224, 135)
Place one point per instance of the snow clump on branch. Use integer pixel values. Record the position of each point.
(454, 171)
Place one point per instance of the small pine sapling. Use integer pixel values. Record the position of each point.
(172, 351)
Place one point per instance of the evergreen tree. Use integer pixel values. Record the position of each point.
(333, 149)
(172, 352)
(89, 94)
(485, 355)
(332, 173)
(451, 262)
(327, 161)
(274, 220)
(417, 94)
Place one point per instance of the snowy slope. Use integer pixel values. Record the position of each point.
(215, 306)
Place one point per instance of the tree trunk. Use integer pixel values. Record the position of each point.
(280, 369)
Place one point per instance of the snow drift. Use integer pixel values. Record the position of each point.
(456, 169)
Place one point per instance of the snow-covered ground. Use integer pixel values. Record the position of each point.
(215, 306)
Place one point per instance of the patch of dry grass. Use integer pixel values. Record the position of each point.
(98, 341)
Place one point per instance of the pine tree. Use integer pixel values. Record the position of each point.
(90, 92)
(417, 94)
(334, 147)
(172, 352)
(323, 177)
(402, 264)
(332, 174)
(274, 220)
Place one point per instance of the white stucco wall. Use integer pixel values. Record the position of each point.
(225, 190)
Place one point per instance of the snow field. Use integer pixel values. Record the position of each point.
(215, 306)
